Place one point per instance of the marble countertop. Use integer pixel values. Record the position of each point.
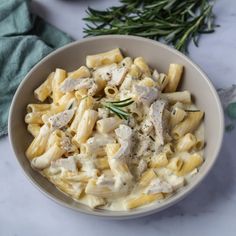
(209, 210)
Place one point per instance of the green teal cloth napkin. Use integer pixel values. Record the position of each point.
(24, 40)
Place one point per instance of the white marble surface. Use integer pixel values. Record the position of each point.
(209, 210)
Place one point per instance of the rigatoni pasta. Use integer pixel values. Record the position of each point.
(114, 133)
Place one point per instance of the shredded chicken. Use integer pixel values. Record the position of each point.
(146, 126)
(156, 115)
(142, 166)
(61, 119)
(70, 84)
(66, 144)
(105, 180)
(124, 135)
(175, 181)
(66, 163)
(118, 75)
(159, 186)
(87, 164)
(104, 72)
(146, 95)
(98, 141)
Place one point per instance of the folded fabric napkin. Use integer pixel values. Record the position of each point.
(24, 40)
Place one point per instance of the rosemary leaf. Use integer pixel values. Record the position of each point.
(116, 107)
(124, 104)
(121, 101)
(192, 110)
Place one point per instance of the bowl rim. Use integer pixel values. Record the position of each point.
(145, 210)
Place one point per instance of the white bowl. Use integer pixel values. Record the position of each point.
(157, 56)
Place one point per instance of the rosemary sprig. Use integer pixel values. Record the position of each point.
(192, 110)
(116, 107)
(175, 22)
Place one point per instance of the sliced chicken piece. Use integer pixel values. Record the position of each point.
(87, 164)
(123, 133)
(142, 166)
(97, 142)
(118, 76)
(159, 186)
(75, 84)
(65, 163)
(69, 85)
(61, 119)
(146, 95)
(175, 181)
(113, 73)
(66, 144)
(156, 116)
(105, 180)
(105, 72)
(146, 126)
(143, 146)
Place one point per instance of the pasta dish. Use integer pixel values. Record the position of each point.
(115, 134)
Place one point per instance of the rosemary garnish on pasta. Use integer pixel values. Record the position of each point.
(116, 107)
(192, 110)
(175, 22)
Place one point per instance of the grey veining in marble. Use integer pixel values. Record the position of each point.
(209, 210)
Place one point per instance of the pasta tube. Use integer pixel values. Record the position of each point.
(99, 190)
(174, 76)
(194, 161)
(43, 161)
(186, 143)
(106, 58)
(135, 71)
(58, 78)
(143, 66)
(175, 164)
(147, 82)
(75, 190)
(85, 104)
(38, 145)
(162, 81)
(168, 149)
(85, 127)
(199, 144)
(82, 72)
(183, 97)
(111, 91)
(188, 125)
(34, 117)
(160, 160)
(126, 62)
(66, 100)
(55, 138)
(143, 200)
(38, 107)
(45, 89)
(147, 177)
(33, 129)
(107, 125)
(176, 116)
